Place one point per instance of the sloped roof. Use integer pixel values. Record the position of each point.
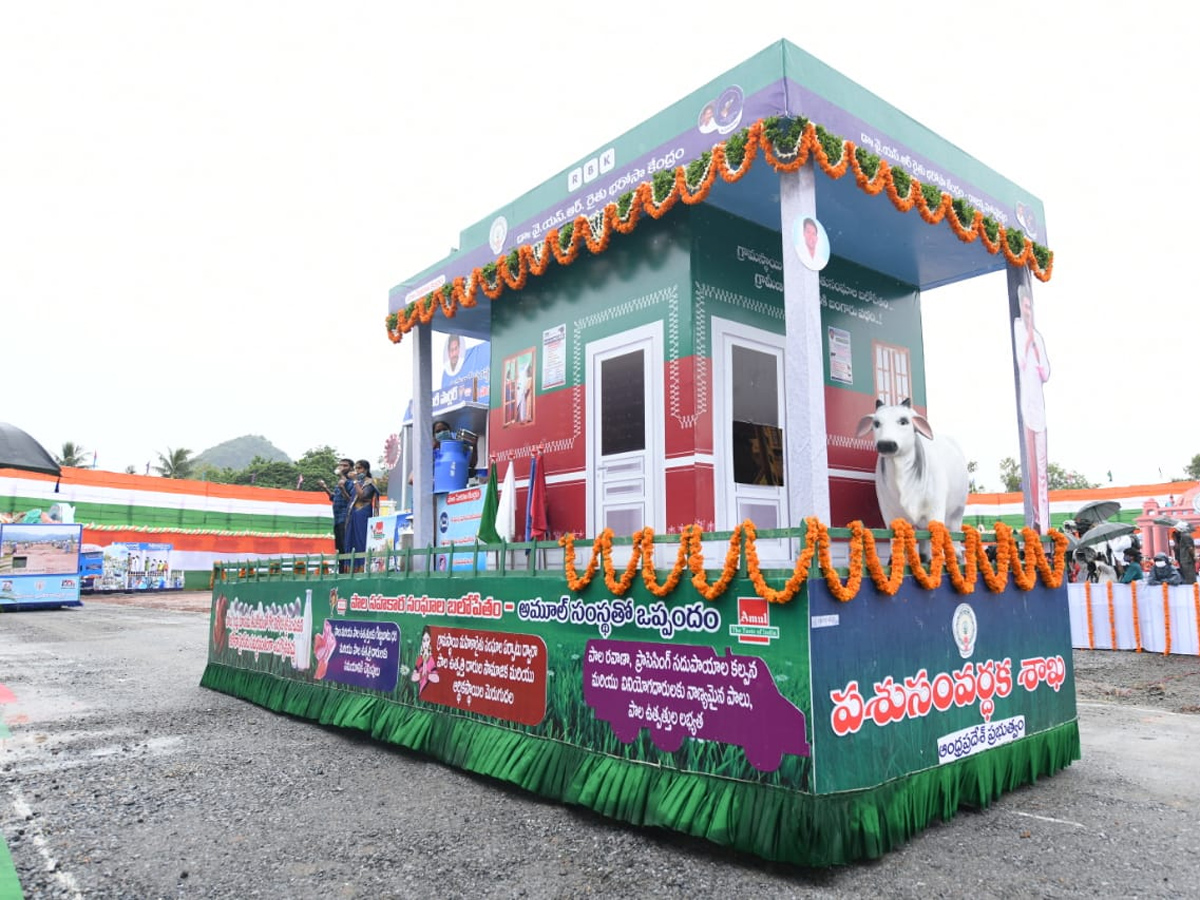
(893, 196)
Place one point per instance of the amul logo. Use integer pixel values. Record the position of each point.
(753, 622)
(592, 169)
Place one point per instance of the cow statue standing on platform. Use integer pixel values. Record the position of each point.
(917, 477)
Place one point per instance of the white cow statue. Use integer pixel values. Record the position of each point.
(917, 477)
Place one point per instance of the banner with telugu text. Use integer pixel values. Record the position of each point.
(925, 678)
(697, 686)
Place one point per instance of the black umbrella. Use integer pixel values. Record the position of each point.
(1105, 532)
(19, 451)
(1097, 511)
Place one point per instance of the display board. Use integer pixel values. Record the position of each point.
(39, 565)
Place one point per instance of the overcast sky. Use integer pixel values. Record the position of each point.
(203, 205)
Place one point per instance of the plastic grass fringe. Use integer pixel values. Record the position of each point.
(770, 822)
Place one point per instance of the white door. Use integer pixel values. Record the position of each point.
(625, 421)
(748, 430)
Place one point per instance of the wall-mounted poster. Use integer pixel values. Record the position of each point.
(518, 373)
(841, 363)
(554, 357)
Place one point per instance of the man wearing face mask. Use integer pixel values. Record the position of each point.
(1162, 572)
(1185, 552)
(340, 496)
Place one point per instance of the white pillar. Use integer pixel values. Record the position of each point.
(1035, 467)
(807, 472)
(422, 381)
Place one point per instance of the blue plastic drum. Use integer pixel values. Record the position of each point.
(450, 469)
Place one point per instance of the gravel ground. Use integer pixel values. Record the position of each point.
(124, 779)
(1146, 680)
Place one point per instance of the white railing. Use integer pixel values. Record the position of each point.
(1165, 624)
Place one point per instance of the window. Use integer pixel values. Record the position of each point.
(623, 404)
(892, 379)
(757, 438)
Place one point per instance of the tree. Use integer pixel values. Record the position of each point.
(1192, 469)
(214, 474)
(973, 486)
(175, 464)
(73, 454)
(315, 464)
(1057, 477)
(381, 477)
(131, 470)
(1010, 474)
(268, 473)
(1063, 479)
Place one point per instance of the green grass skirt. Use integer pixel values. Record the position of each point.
(771, 822)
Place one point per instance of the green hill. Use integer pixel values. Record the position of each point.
(238, 452)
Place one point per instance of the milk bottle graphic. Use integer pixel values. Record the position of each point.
(304, 638)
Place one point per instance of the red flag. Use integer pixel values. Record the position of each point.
(536, 521)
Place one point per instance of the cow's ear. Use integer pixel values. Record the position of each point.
(865, 425)
(878, 403)
(922, 425)
(906, 402)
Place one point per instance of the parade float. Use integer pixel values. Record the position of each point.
(682, 639)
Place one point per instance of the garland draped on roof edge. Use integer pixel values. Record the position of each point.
(786, 144)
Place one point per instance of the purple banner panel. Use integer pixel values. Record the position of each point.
(364, 654)
(680, 690)
(847, 125)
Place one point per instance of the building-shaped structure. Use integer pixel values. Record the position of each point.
(682, 332)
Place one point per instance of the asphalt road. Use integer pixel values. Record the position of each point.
(120, 777)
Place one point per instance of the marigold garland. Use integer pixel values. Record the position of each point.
(1087, 602)
(1167, 619)
(963, 578)
(843, 592)
(996, 578)
(863, 556)
(1112, 615)
(567, 542)
(1137, 628)
(649, 577)
(833, 170)
(700, 577)
(809, 146)
(885, 584)
(871, 186)
(1196, 606)
(537, 257)
(631, 569)
(812, 536)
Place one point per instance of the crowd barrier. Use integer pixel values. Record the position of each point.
(1157, 618)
